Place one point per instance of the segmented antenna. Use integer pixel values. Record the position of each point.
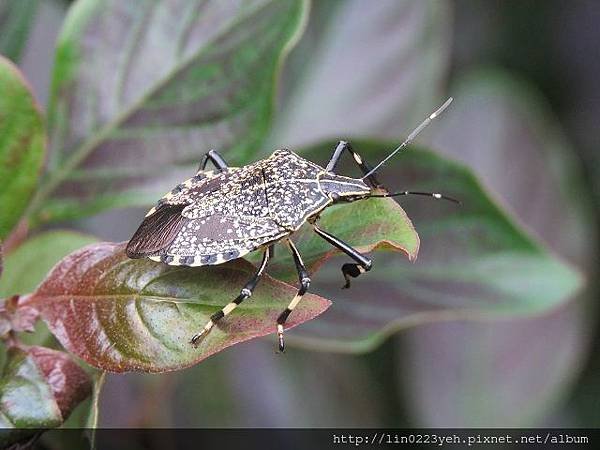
(411, 136)
(435, 195)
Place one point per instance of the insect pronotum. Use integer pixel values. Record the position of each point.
(223, 214)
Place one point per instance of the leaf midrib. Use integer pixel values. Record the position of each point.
(139, 297)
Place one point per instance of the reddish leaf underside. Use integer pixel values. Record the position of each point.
(15, 316)
(120, 314)
(70, 384)
(39, 388)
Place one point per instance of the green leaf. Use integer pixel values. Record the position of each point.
(142, 89)
(366, 71)
(376, 224)
(39, 388)
(69, 383)
(26, 399)
(474, 262)
(27, 266)
(120, 314)
(22, 145)
(16, 17)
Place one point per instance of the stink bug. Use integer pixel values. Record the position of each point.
(223, 214)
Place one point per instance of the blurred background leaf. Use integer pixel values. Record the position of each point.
(16, 17)
(509, 373)
(150, 87)
(506, 374)
(367, 72)
(22, 145)
(222, 392)
(27, 265)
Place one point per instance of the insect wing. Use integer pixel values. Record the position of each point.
(157, 231)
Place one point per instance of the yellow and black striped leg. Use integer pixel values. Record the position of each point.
(304, 284)
(214, 157)
(244, 294)
(363, 264)
(363, 165)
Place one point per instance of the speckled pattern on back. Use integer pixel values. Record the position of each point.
(234, 212)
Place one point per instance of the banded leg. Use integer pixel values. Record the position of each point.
(244, 294)
(304, 284)
(363, 165)
(214, 157)
(363, 264)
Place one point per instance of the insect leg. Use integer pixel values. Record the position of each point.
(304, 283)
(244, 294)
(363, 165)
(363, 264)
(214, 157)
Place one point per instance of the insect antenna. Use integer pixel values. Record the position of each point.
(411, 136)
(435, 195)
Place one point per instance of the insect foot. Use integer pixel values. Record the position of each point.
(354, 270)
(195, 340)
(280, 338)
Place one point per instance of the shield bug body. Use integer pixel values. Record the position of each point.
(223, 214)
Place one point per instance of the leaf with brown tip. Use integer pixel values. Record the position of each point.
(374, 224)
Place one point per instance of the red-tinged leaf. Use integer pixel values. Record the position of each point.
(39, 388)
(24, 319)
(124, 315)
(26, 399)
(70, 384)
(4, 325)
(14, 316)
